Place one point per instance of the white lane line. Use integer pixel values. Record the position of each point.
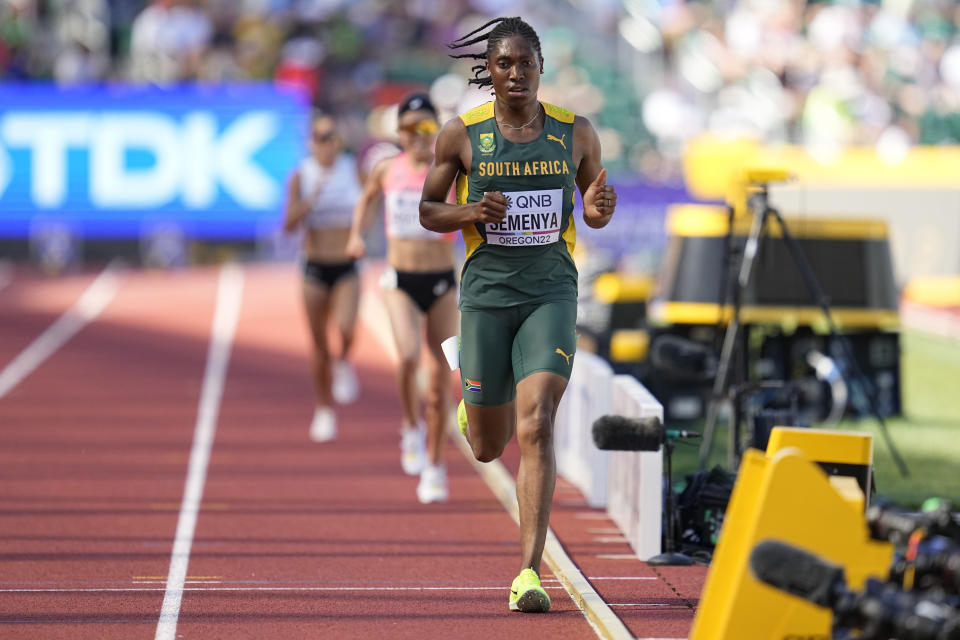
(609, 539)
(226, 314)
(93, 301)
(617, 556)
(622, 578)
(146, 589)
(591, 515)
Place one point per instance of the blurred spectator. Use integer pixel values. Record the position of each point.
(299, 66)
(18, 26)
(168, 41)
(651, 75)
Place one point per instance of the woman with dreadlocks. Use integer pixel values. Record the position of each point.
(516, 162)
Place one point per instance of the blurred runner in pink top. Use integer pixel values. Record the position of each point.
(420, 291)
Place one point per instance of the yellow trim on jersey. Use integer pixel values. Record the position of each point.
(478, 114)
(558, 113)
(463, 188)
(570, 235)
(471, 237)
(485, 112)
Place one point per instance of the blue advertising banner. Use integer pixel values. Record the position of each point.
(110, 161)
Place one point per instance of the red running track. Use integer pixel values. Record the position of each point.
(292, 539)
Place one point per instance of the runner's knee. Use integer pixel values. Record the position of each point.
(435, 399)
(488, 443)
(408, 364)
(486, 451)
(536, 430)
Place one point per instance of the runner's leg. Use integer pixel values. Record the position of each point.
(316, 299)
(406, 324)
(346, 306)
(441, 324)
(537, 398)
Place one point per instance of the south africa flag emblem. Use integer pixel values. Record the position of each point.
(472, 385)
(486, 143)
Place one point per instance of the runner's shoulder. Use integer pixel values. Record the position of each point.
(453, 142)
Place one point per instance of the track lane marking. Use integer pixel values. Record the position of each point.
(88, 306)
(610, 539)
(225, 318)
(282, 589)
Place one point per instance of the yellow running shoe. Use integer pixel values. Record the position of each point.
(462, 418)
(527, 595)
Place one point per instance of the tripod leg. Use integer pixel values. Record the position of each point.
(719, 386)
(733, 330)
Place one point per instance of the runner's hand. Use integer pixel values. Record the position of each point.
(492, 208)
(356, 247)
(599, 200)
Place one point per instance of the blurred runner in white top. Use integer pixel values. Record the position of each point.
(320, 198)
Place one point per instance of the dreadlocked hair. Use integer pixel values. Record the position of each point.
(505, 27)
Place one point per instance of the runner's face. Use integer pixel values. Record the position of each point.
(515, 69)
(324, 143)
(417, 133)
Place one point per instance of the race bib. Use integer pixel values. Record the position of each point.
(402, 210)
(533, 218)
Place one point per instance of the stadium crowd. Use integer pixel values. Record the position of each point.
(823, 74)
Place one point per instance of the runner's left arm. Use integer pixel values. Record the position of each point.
(599, 198)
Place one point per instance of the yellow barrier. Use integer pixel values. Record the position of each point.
(839, 454)
(629, 345)
(611, 287)
(934, 291)
(785, 495)
(712, 164)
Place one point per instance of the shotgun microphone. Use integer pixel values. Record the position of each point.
(796, 571)
(619, 433)
(879, 611)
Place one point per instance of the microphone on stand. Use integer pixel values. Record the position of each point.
(619, 433)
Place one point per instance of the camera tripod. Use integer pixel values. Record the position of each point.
(758, 203)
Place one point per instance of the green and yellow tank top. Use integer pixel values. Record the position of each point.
(528, 257)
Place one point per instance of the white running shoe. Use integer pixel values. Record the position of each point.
(433, 484)
(345, 388)
(324, 425)
(413, 447)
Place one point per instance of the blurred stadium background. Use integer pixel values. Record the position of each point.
(163, 132)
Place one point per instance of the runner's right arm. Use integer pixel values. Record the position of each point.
(453, 154)
(297, 207)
